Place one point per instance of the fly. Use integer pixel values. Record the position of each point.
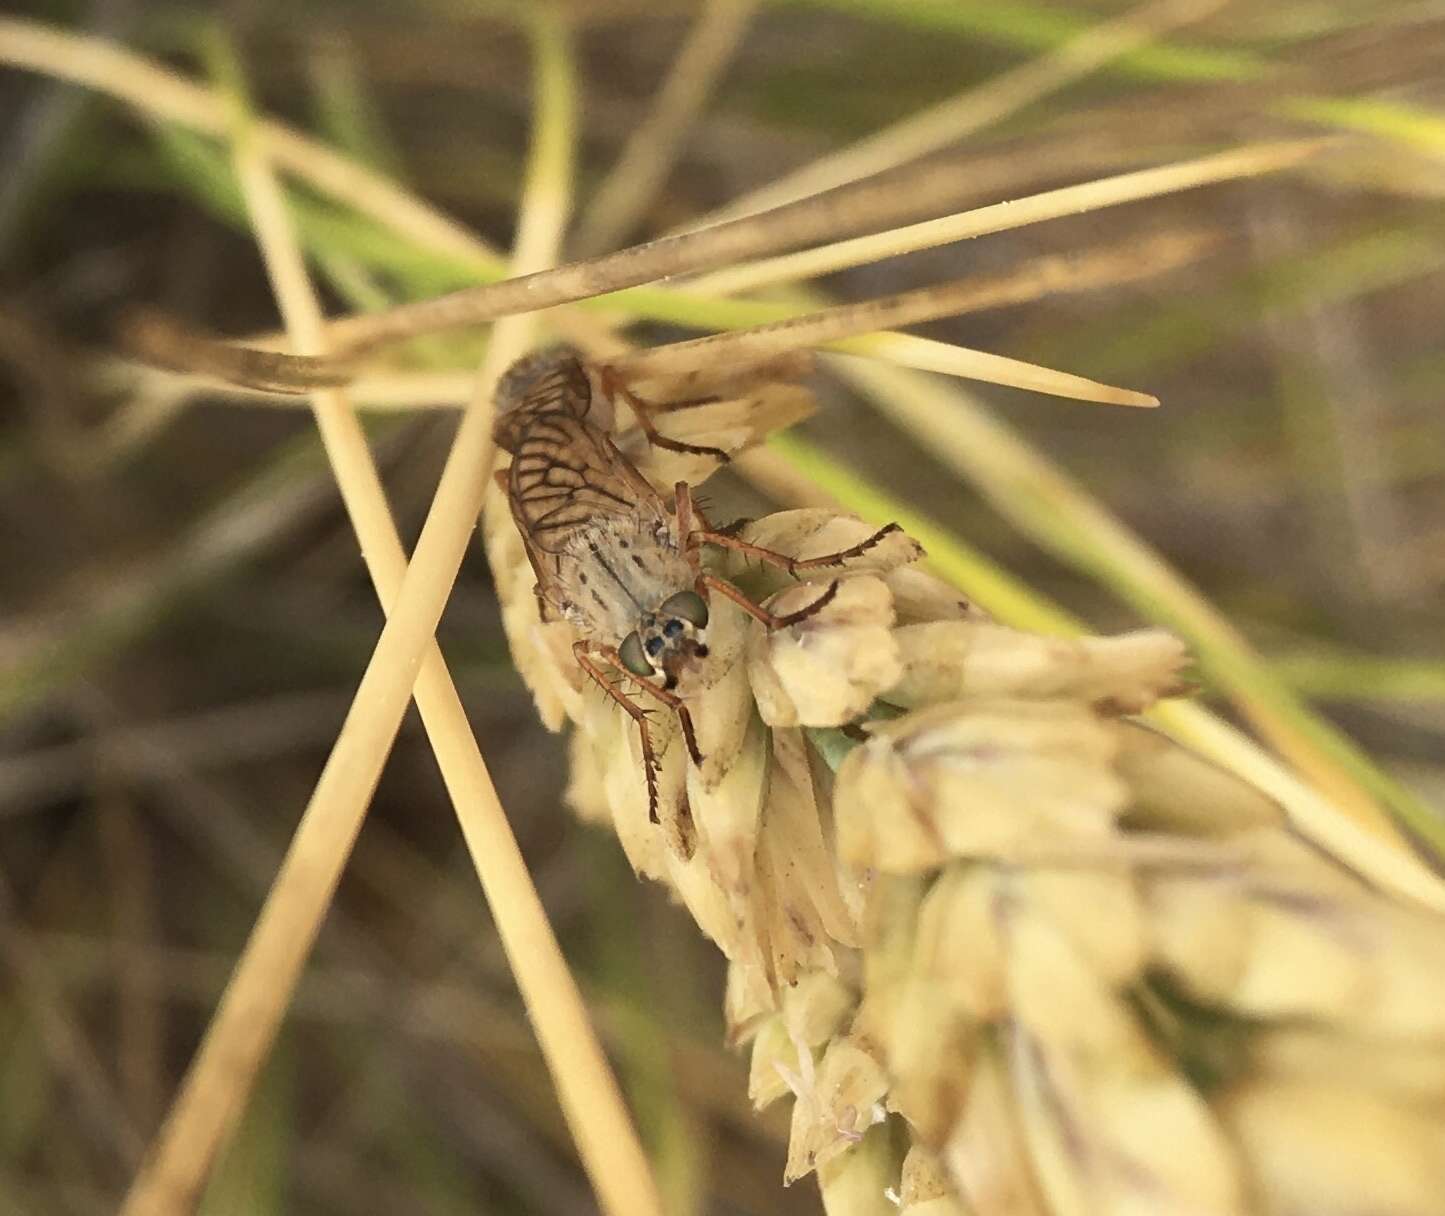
(611, 556)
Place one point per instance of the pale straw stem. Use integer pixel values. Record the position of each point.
(1248, 161)
(838, 327)
(949, 359)
(266, 974)
(584, 1082)
(1376, 858)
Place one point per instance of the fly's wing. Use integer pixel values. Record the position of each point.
(544, 566)
(567, 475)
(546, 383)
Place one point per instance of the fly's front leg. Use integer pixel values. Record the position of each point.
(694, 528)
(580, 651)
(671, 700)
(614, 386)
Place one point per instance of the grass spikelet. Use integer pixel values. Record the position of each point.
(907, 962)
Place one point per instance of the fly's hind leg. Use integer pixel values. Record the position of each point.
(580, 651)
(613, 385)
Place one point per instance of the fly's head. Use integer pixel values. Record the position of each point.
(667, 640)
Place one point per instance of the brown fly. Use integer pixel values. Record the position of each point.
(611, 556)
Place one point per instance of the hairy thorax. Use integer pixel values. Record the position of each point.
(618, 570)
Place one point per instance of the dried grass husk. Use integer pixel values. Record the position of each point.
(1014, 951)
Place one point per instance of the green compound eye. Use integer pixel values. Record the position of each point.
(632, 656)
(688, 605)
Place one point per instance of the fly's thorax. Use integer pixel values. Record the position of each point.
(617, 570)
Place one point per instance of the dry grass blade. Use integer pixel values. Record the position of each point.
(834, 327)
(949, 359)
(958, 117)
(1249, 161)
(401, 392)
(162, 342)
(651, 150)
(256, 998)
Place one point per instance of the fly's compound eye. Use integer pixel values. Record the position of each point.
(653, 646)
(632, 656)
(688, 605)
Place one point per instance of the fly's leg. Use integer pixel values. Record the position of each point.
(644, 410)
(687, 513)
(635, 712)
(671, 700)
(771, 621)
(807, 610)
(613, 385)
(682, 403)
(793, 565)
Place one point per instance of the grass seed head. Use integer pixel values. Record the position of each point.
(828, 669)
(1004, 947)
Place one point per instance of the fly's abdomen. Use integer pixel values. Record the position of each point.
(548, 384)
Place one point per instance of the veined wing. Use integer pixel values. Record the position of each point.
(565, 475)
(541, 384)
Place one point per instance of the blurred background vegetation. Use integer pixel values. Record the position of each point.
(183, 615)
